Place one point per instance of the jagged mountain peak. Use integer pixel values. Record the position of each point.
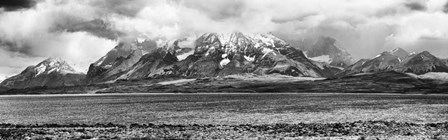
(53, 61)
(235, 37)
(236, 42)
(425, 53)
(384, 54)
(324, 49)
(401, 53)
(397, 53)
(261, 51)
(422, 63)
(53, 64)
(125, 49)
(422, 56)
(398, 50)
(129, 52)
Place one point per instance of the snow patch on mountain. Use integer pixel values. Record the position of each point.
(40, 69)
(435, 75)
(267, 51)
(176, 82)
(250, 59)
(322, 58)
(264, 38)
(443, 76)
(185, 55)
(53, 65)
(271, 78)
(140, 40)
(225, 60)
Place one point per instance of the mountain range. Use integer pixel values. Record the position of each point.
(221, 55)
(398, 60)
(211, 55)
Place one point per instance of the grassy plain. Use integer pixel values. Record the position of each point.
(245, 116)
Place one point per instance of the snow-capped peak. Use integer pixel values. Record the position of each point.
(54, 64)
(234, 42)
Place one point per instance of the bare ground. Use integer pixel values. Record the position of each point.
(351, 130)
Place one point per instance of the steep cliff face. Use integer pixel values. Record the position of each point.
(324, 49)
(119, 60)
(152, 64)
(51, 72)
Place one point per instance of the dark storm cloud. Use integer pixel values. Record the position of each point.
(290, 19)
(10, 5)
(430, 38)
(123, 7)
(415, 6)
(17, 48)
(445, 8)
(218, 10)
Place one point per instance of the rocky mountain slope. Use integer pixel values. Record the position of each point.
(210, 55)
(400, 53)
(398, 60)
(51, 72)
(2, 89)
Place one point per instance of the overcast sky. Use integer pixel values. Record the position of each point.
(32, 30)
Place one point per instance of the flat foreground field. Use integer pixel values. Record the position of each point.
(217, 115)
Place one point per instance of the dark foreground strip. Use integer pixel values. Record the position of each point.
(195, 131)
